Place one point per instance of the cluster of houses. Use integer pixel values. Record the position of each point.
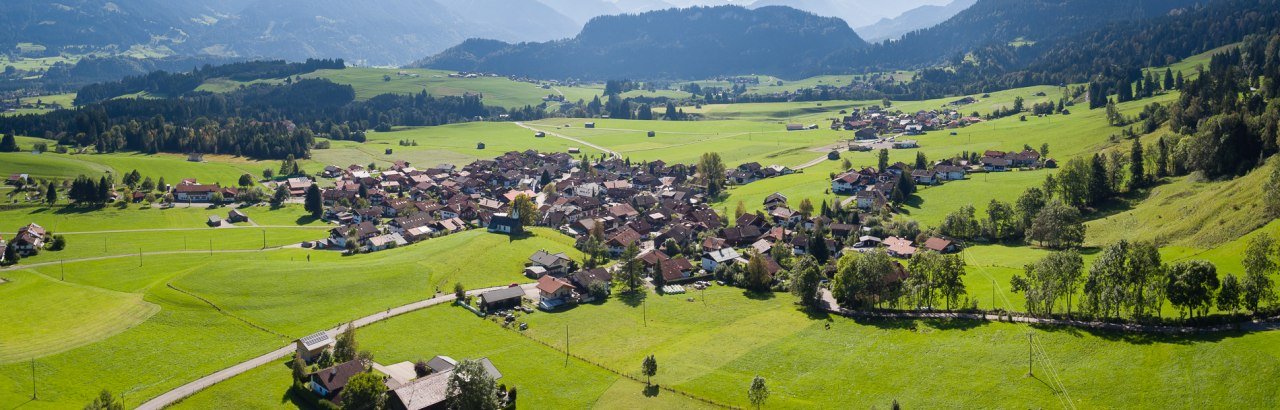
(870, 123)
(752, 171)
(870, 188)
(410, 386)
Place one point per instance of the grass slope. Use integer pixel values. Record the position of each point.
(915, 362)
(541, 375)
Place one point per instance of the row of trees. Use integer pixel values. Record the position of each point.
(176, 84)
(872, 279)
(1130, 281)
(1035, 217)
(260, 121)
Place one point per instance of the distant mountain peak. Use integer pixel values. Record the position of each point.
(696, 42)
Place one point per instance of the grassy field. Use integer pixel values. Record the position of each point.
(498, 91)
(69, 219)
(683, 142)
(915, 362)
(370, 82)
(1185, 212)
(1081, 133)
(290, 292)
(540, 373)
(183, 339)
(223, 169)
(336, 290)
(447, 144)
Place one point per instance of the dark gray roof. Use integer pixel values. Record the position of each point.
(513, 292)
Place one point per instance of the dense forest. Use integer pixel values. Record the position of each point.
(1112, 55)
(259, 121)
(1016, 23)
(174, 84)
(698, 42)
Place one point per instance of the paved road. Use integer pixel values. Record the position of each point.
(186, 390)
(612, 153)
(814, 162)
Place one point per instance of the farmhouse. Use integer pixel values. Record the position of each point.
(328, 383)
(430, 391)
(941, 245)
(29, 240)
(554, 292)
(310, 348)
(552, 264)
(194, 192)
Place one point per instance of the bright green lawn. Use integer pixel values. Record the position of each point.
(357, 286)
(222, 169)
(453, 144)
(185, 339)
(497, 91)
(63, 219)
(684, 142)
(538, 372)
(714, 349)
(280, 290)
(94, 313)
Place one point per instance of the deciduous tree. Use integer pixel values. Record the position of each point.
(649, 368)
(759, 392)
(805, 278)
(471, 388)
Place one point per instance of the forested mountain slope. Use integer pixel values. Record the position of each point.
(697, 42)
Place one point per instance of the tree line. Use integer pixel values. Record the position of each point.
(259, 121)
(1130, 281)
(174, 84)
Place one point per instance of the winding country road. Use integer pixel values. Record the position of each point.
(612, 153)
(186, 390)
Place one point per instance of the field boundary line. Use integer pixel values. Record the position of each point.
(224, 311)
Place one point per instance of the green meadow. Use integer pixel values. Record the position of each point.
(683, 142)
(455, 144)
(542, 376)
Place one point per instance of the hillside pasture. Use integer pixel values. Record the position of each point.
(684, 142)
(800, 356)
(454, 144)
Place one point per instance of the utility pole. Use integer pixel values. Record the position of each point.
(566, 345)
(34, 396)
(62, 264)
(1029, 355)
(264, 239)
(139, 257)
(644, 309)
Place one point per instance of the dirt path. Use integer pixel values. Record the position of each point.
(186, 390)
(612, 153)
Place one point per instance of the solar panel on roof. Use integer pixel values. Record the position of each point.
(315, 338)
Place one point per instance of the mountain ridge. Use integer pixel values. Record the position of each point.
(697, 42)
